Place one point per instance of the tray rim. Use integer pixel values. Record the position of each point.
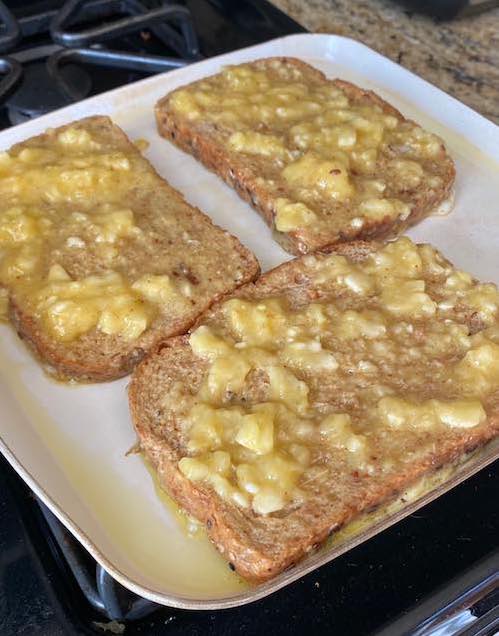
(486, 457)
(486, 141)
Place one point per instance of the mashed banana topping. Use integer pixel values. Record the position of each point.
(68, 309)
(374, 355)
(340, 158)
(62, 196)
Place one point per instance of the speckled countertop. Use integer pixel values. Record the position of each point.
(461, 56)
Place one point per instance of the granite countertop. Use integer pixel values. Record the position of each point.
(461, 56)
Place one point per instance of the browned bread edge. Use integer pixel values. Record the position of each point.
(235, 173)
(248, 560)
(94, 366)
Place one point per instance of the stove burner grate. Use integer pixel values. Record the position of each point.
(103, 593)
(79, 32)
(478, 600)
(28, 101)
(139, 17)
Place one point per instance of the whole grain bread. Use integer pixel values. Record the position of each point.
(257, 177)
(165, 384)
(173, 238)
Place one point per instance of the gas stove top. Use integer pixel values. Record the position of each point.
(434, 573)
(54, 53)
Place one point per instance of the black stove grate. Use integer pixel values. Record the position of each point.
(160, 20)
(99, 588)
(85, 32)
(468, 606)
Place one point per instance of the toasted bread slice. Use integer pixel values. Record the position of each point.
(322, 161)
(366, 369)
(102, 258)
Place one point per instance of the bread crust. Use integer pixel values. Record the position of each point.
(259, 548)
(236, 172)
(96, 356)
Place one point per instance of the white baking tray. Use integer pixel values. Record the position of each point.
(69, 442)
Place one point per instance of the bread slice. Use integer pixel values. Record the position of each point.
(86, 203)
(323, 161)
(415, 386)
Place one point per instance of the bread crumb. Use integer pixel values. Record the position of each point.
(141, 144)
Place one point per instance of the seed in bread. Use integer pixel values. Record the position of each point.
(101, 258)
(323, 389)
(322, 161)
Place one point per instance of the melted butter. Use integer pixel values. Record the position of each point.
(146, 541)
(192, 528)
(424, 485)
